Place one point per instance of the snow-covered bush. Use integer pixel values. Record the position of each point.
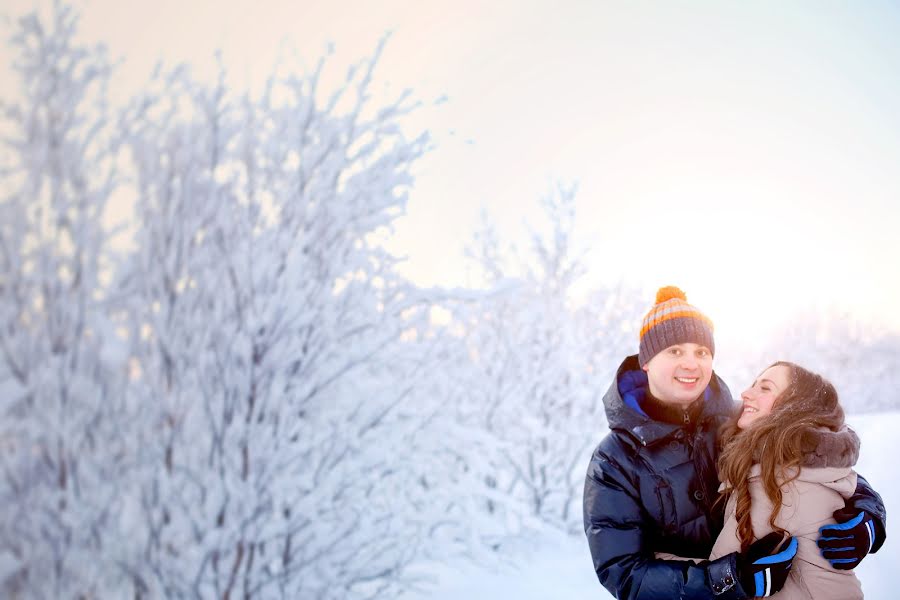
(539, 365)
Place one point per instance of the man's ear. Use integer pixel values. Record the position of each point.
(646, 368)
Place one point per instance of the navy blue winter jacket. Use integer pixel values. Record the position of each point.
(651, 487)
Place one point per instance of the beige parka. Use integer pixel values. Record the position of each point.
(824, 483)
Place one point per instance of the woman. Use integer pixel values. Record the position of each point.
(786, 467)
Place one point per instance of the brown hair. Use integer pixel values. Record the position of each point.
(810, 402)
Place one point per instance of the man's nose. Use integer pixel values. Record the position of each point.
(689, 361)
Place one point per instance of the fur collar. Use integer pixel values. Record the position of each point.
(826, 448)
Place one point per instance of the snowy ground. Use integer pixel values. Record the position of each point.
(560, 567)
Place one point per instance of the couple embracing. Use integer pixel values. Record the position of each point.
(692, 495)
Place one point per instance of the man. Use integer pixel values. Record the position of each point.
(652, 485)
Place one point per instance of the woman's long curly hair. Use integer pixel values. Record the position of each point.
(810, 402)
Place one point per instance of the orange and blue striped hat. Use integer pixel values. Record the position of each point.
(673, 321)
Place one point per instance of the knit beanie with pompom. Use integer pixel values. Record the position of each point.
(673, 321)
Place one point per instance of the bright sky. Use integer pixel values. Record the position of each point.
(745, 151)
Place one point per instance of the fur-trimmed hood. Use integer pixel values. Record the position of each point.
(828, 459)
(826, 448)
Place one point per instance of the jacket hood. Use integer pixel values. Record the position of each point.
(623, 410)
(826, 448)
(827, 459)
(823, 448)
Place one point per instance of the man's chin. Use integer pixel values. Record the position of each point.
(686, 399)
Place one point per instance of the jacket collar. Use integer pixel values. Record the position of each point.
(823, 448)
(623, 410)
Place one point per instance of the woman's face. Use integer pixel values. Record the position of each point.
(759, 398)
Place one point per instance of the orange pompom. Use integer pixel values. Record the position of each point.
(669, 292)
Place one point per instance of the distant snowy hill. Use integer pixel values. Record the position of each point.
(557, 567)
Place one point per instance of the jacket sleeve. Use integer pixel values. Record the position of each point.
(617, 529)
(867, 499)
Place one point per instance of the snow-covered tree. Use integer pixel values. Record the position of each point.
(273, 332)
(237, 398)
(540, 365)
(63, 360)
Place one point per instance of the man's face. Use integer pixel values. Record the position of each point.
(680, 373)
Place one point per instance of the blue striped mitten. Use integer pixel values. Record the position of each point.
(764, 568)
(848, 541)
